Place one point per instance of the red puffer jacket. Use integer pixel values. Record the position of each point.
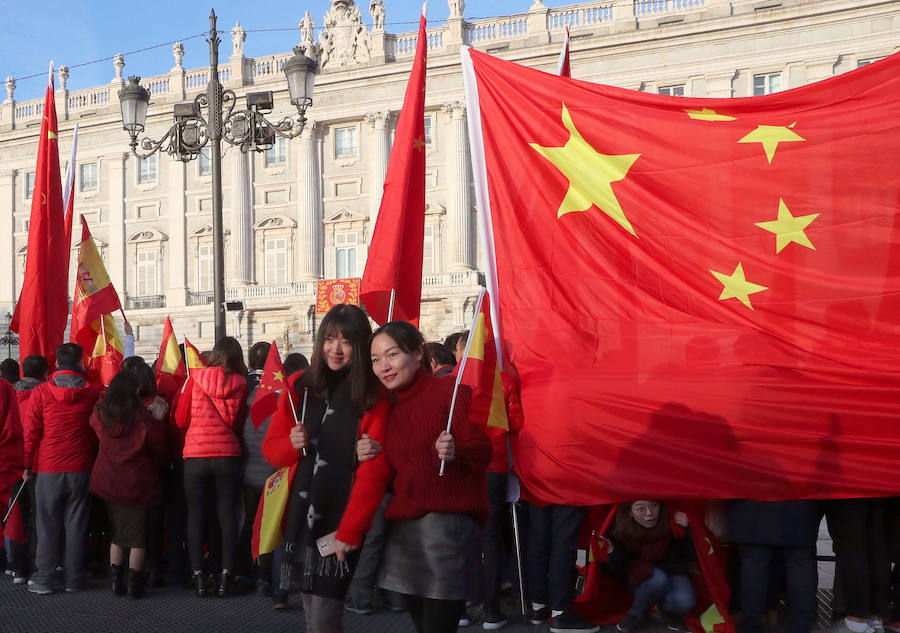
(211, 408)
(59, 438)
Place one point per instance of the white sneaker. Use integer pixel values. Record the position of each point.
(876, 623)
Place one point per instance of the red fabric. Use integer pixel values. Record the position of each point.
(271, 384)
(59, 438)
(127, 462)
(170, 369)
(43, 306)
(94, 294)
(12, 447)
(23, 390)
(211, 407)
(614, 293)
(409, 461)
(395, 254)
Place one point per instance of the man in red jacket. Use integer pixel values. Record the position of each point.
(59, 448)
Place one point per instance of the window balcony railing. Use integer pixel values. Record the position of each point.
(200, 298)
(145, 302)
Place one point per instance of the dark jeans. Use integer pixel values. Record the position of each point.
(550, 554)
(434, 616)
(224, 473)
(261, 569)
(20, 556)
(493, 547)
(63, 516)
(363, 584)
(673, 594)
(801, 577)
(863, 566)
(177, 563)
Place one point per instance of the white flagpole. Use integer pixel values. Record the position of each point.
(70, 170)
(563, 54)
(462, 367)
(391, 307)
(302, 419)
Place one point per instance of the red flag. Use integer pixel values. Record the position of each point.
(395, 254)
(43, 305)
(94, 294)
(270, 386)
(170, 370)
(701, 296)
(193, 359)
(482, 372)
(108, 352)
(563, 68)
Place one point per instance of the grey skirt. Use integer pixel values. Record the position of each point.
(427, 557)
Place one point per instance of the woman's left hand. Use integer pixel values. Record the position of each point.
(341, 549)
(446, 449)
(681, 519)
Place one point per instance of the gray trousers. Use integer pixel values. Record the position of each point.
(363, 584)
(323, 615)
(62, 520)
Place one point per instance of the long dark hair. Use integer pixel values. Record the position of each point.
(408, 338)
(351, 323)
(121, 404)
(627, 529)
(228, 353)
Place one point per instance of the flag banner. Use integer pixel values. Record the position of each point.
(482, 373)
(94, 293)
(193, 359)
(43, 306)
(267, 525)
(394, 262)
(333, 292)
(270, 387)
(108, 352)
(169, 369)
(701, 297)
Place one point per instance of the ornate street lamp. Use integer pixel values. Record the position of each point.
(9, 339)
(248, 129)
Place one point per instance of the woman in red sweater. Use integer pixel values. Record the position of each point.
(341, 392)
(125, 476)
(431, 518)
(211, 408)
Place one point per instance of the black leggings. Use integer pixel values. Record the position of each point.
(434, 616)
(221, 476)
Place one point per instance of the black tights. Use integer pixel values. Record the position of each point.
(434, 616)
(220, 475)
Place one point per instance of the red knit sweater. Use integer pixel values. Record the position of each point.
(410, 461)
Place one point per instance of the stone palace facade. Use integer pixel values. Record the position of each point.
(305, 209)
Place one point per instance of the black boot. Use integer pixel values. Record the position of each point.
(137, 582)
(226, 584)
(199, 583)
(118, 581)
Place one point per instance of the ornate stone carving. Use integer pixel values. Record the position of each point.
(376, 10)
(238, 37)
(456, 8)
(378, 120)
(119, 64)
(344, 40)
(306, 30)
(10, 88)
(178, 53)
(63, 77)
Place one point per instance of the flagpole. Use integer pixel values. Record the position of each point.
(391, 307)
(294, 411)
(187, 365)
(518, 543)
(462, 368)
(12, 504)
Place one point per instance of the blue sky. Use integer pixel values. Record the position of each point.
(77, 32)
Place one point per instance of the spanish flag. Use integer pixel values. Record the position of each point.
(267, 526)
(108, 353)
(192, 356)
(170, 370)
(94, 294)
(482, 372)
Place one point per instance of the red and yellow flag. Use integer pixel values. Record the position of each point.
(170, 370)
(108, 352)
(332, 292)
(482, 371)
(270, 386)
(268, 524)
(94, 294)
(192, 357)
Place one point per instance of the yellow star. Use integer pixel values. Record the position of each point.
(590, 174)
(709, 115)
(51, 134)
(789, 229)
(278, 376)
(418, 143)
(770, 136)
(736, 286)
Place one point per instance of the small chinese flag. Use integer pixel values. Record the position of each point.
(170, 369)
(192, 356)
(109, 352)
(270, 385)
(482, 372)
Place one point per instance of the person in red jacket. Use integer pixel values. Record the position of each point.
(60, 448)
(211, 408)
(432, 517)
(339, 389)
(126, 477)
(11, 462)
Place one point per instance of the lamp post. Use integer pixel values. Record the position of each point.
(9, 339)
(248, 129)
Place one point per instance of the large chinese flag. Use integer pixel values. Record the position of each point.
(43, 305)
(701, 296)
(395, 255)
(94, 294)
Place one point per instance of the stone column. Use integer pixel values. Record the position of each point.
(176, 75)
(8, 109)
(177, 247)
(309, 210)
(381, 152)
(459, 240)
(241, 221)
(7, 239)
(116, 222)
(62, 93)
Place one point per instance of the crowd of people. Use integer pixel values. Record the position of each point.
(386, 507)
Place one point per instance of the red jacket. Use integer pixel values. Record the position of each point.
(24, 388)
(59, 438)
(211, 408)
(11, 445)
(127, 464)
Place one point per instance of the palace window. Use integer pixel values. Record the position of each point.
(428, 251)
(147, 273)
(428, 120)
(346, 247)
(204, 267)
(87, 174)
(276, 260)
(276, 155)
(147, 170)
(672, 91)
(345, 142)
(29, 185)
(204, 164)
(766, 84)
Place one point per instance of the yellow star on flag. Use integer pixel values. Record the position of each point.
(51, 134)
(590, 174)
(418, 143)
(736, 286)
(788, 228)
(278, 376)
(709, 115)
(770, 136)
